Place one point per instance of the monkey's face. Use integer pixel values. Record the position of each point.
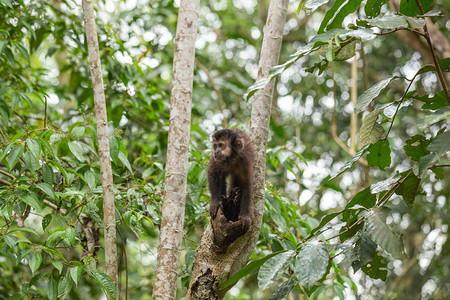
(222, 151)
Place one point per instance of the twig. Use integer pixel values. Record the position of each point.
(126, 262)
(380, 203)
(398, 29)
(216, 89)
(403, 98)
(348, 228)
(334, 126)
(45, 113)
(353, 118)
(433, 54)
(388, 195)
(5, 182)
(7, 174)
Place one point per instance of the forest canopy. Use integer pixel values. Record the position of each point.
(356, 190)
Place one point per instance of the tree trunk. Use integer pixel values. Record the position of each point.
(172, 219)
(211, 269)
(103, 144)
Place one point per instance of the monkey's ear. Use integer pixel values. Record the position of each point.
(240, 144)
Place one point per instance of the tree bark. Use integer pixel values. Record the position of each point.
(172, 219)
(212, 269)
(103, 144)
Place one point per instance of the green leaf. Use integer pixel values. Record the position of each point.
(285, 288)
(2, 45)
(31, 201)
(373, 7)
(384, 185)
(54, 252)
(350, 253)
(279, 221)
(114, 149)
(89, 176)
(70, 234)
(370, 94)
(437, 101)
(271, 268)
(76, 150)
(64, 285)
(77, 132)
(125, 161)
(336, 15)
(324, 221)
(382, 235)
(416, 22)
(75, 273)
(46, 221)
(416, 147)
(260, 84)
(330, 52)
(364, 198)
(312, 263)
(52, 289)
(409, 189)
(35, 147)
(10, 240)
(440, 144)
(23, 51)
(370, 132)
(389, 21)
(275, 71)
(380, 154)
(410, 8)
(105, 282)
(338, 290)
(444, 64)
(350, 163)
(14, 156)
(377, 268)
(248, 269)
(311, 5)
(31, 162)
(367, 249)
(47, 189)
(58, 265)
(35, 262)
(47, 174)
(26, 229)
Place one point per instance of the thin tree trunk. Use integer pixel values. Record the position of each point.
(210, 269)
(172, 219)
(103, 144)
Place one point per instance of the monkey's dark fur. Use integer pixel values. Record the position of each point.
(232, 157)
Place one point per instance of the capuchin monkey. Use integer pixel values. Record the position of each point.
(232, 157)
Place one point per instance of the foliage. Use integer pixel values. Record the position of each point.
(324, 227)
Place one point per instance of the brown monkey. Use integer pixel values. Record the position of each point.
(232, 156)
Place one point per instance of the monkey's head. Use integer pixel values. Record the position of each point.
(227, 145)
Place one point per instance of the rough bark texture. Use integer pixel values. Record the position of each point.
(172, 219)
(212, 269)
(103, 144)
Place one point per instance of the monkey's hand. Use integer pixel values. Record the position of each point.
(246, 221)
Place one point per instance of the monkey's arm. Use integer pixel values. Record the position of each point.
(217, 188)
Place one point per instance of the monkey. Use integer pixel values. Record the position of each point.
(232, 157)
